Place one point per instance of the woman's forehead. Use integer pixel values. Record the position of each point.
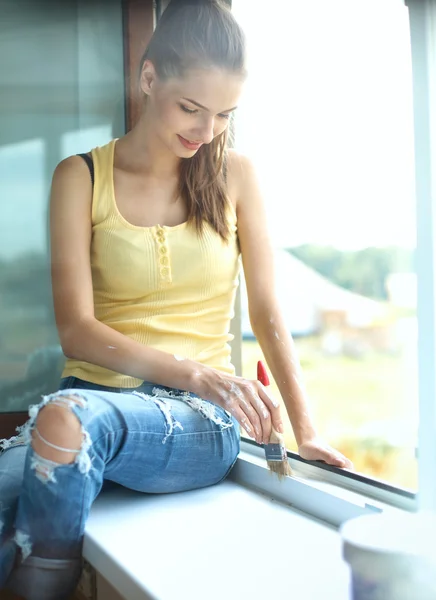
(213, 89)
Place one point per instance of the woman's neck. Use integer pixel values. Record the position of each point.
(146, 153)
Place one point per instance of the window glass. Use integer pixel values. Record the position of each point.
(62, 92)
(327, 120)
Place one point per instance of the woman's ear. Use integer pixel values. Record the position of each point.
(148, 77)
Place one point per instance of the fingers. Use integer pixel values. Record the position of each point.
(246, 423)
(253, 418)
(254, 408)
(273, 407)
(326, 454)
(337, 459)
(243, 420)
(244, 411)
(262, 412)
(347, 464)
(342, 463)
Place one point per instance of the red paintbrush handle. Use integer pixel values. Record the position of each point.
(262, 375)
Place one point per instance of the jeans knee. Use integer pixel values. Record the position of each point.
(57, 434)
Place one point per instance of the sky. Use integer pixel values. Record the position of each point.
(326, 117)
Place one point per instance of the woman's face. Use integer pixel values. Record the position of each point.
(186, 113)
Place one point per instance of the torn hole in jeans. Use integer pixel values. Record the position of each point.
(45, 468)
(206, 409)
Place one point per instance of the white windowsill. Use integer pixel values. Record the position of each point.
(329, 496)
(225, 541)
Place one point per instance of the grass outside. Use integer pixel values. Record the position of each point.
(365, 407)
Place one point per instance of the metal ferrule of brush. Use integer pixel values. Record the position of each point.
(275, 452)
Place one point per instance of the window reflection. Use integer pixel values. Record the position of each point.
(327, 120)
(68, 98)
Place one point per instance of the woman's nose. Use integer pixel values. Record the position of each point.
(206, 132)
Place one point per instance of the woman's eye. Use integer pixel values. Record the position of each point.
(191, 111)
(188, 110)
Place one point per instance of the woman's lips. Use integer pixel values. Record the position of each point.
(188, 144)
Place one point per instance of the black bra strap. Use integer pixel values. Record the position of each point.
(90, 163)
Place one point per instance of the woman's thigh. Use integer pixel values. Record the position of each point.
(157, 440)
(12, 462)
(174, 444)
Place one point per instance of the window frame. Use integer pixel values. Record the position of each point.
(139, 20)
(423, 41)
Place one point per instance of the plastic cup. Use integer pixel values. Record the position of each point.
(391, 556)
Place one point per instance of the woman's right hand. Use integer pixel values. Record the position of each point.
(246, 399)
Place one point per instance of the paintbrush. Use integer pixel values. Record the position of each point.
(275, 451)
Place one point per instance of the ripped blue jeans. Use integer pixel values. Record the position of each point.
(151, 439)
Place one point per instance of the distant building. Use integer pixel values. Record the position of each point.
(311, 303)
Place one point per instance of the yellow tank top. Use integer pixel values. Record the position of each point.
(165, 287)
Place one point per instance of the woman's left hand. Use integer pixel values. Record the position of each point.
(316, 449)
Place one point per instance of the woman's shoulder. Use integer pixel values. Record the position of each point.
(81, 164)
(77, 160)
(239, 168)
(72, 175)
(237, 163)
(69, 167)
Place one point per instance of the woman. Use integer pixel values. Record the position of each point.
(145, 261)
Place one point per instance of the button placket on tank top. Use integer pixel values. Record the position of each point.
(164, 264)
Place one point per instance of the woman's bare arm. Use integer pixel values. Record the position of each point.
(82, 336)
(265, 315)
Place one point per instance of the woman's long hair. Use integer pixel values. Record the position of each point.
(200, 35)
